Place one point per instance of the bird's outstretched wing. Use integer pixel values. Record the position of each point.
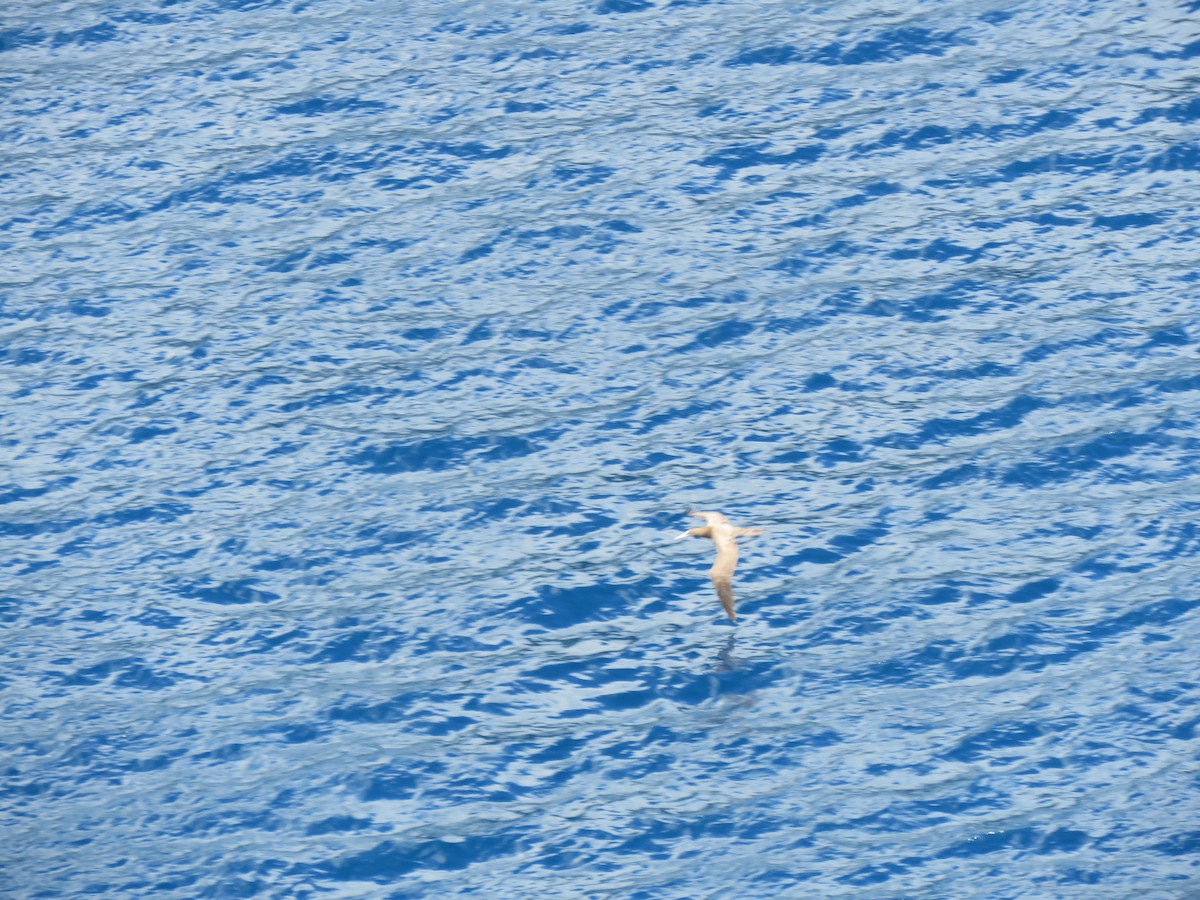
(724, 586)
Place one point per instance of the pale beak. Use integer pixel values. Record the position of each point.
(682, 536)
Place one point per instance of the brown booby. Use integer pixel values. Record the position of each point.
(725, 537)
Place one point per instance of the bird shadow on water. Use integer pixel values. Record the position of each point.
(732, 674)
(726, 661)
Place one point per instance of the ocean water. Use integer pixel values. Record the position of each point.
(359, 361)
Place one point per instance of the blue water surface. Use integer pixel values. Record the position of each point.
(361, 357)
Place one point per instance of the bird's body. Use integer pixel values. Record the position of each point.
(725, 536)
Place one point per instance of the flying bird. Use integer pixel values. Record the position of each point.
(725, 536)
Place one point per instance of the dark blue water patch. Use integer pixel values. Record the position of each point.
(1030, 839)
(877, 873)
(1006, 77)
(157, 512)
(354, 641)
(542, 53)
(93, 381)
(157, 617)
(338, 825)
(619, 701)
(1192, 50)
(22, 356)
(813, 220)
(645, 424)
(1186, 112)
(13, 38)
(1155, 614)
(744, 156)
(348, 393)
(953, 476)
(941, 430)
(911, 139)
(411, 709)
(469, 150)
(124, 672)
(918, 667)
(1004, 736)
(1081, 164)
(377, 538)
(441, 453)
(557, 607)
(498, 509)
(87, 216)
(224, 752)
(1034, 590)
(29, 529)
(732, 676)
(390, 861)
(35, 566)
(225, 593)
(979, 370)
(639, 310)
(843, 301)
(819, 555)
(855, 541)
(1184, 156)
(580, 175)
(1128, 220)
(590, 524)
(1172, 336)
(316, 162)
(770, 55)
(517, 106)
(932, 306)
(887, 46)
(941, 594)
(884, 47)
(940, 250)
(837, 451)
(262, 641)
(149, 432)
(923, 136)
(1097, 338)
(869, 193)
(296, 563)
(609, 7)
(400, 780)
(926, 812)
(1030, 646)
(10, 609)
(316, 106)
(545, 238)
(819, 381)
(578, 671)
(97, 34)
(480, 250)
(141, 17)
(1054, 219)
(12, 493)
(1065, 463)
(721, 333)
(850, 629)
(1185, 843)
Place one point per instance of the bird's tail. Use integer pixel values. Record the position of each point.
(724, 588)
